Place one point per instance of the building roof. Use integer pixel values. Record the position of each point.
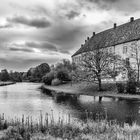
(119, 34)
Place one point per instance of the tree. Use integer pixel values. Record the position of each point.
(36, 74)
(135, 53)
(63, 75)
(15, 76)
(95, 64)
(47, 79)
(4, 75)
(65, 64)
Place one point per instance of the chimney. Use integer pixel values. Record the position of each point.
(115, 25)
(87, 38)
(131, 19)
(93, 33)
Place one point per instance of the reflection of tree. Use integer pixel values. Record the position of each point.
(128, 113)
(80, 109)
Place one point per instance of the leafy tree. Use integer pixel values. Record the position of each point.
(36, 74)
(15, 76)
(65, 64)
(4, 76)
(63, 75)
(47, 79)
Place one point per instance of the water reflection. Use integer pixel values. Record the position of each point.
(26, 98)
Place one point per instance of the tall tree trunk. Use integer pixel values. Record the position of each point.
(99, 83)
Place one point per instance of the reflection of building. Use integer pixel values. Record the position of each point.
(120, 40)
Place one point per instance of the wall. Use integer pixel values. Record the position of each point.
(125, 50)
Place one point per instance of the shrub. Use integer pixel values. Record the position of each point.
(131, 87)
(120, 87)
(56, 82)
(63, 75)
(47, 79)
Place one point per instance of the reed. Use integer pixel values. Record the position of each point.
(45, 127)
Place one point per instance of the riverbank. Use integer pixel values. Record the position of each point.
(46, 128)
(83, 88)
(6, 83)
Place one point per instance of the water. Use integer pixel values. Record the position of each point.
(27, 99)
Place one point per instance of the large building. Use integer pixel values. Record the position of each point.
(121, 40)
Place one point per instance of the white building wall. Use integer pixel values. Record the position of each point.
(125, 50)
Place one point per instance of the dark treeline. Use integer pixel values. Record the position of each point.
(41, 73)
(32, 75)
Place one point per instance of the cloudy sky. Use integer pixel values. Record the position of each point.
(36, 31)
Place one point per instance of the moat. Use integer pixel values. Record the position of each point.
(27, 99)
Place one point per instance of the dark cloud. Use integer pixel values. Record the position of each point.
(72, 14)
(20, 49)
(121, 5)
(42, 45)
(67, 37)
(31, 45)
(33, 22)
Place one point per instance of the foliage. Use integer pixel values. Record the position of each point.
(4, 76)
(36, 74)
(131, 87)
(121, 87)
(63, 75)
(47, 79)
(65, 64)
(47, 128)
(15, 76)
(56, 82)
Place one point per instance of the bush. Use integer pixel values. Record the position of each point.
(47, 79)
(63, 75)
(120, 87)
(56, 82)
(131, 87)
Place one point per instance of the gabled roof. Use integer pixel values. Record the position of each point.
(120, 34)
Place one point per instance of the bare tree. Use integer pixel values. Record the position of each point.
(96, 64)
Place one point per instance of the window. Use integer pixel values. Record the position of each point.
(124, 49)
(110, 50)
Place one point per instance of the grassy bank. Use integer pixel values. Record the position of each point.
(44, 128)
(84, 88)
(91, 89)
(6, 83)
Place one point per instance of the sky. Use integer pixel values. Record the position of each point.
(37, 31)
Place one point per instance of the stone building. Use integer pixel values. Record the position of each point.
(121, 40)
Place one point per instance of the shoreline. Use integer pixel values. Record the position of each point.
(65, 90)
(6, 83)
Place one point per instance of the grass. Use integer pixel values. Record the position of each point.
(90, 87)
(84, 88)
(47, 129)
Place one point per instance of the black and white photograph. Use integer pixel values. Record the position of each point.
(69, 69)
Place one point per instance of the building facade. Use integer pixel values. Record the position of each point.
(123, 40)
